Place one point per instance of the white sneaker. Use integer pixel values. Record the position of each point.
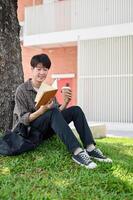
(83, 159)
(98, 155)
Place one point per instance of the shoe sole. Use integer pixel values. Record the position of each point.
(84, 165)
(101, 160)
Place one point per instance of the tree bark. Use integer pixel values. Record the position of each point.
(11, 73)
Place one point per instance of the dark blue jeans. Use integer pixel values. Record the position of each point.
(55, 121)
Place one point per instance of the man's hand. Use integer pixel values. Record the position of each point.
(67, 95)
(41, 111)
(45, 107)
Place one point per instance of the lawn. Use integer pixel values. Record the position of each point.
(48, 173)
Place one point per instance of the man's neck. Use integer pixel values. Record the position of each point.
(35, 84)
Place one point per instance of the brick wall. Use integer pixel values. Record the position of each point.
(25, 3)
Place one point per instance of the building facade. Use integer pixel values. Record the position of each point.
(90, 43)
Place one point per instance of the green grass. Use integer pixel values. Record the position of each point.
(48, 173)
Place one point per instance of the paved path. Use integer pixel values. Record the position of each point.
(128, 134)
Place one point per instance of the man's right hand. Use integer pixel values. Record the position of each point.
(45, 107)
(41, 110)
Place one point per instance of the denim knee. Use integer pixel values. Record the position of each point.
(55, 110)
(77, 109)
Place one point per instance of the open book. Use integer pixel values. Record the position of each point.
(44, 94)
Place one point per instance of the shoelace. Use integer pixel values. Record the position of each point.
(98, 151)
(85, 157)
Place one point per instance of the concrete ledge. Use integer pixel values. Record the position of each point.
(98, 130)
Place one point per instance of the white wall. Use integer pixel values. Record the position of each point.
(90, 13)
(76, 14)
(105, 79)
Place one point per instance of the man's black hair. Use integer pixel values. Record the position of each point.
(41, 58)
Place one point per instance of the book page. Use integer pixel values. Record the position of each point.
(46, 98)
(43, 88)
(45, 94)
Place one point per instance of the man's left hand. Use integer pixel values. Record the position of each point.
(67, 95)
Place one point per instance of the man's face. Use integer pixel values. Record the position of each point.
(39, 73)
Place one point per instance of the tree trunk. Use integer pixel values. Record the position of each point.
(11, 73)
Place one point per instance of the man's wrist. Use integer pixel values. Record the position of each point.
(34, 115)
(63, 106)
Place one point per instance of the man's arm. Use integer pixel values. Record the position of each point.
(40, 111)
(67, 96)
(22, 108)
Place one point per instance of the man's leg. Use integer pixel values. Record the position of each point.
(54, 119)
(76, 115)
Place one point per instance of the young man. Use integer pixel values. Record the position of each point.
(54, 118)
